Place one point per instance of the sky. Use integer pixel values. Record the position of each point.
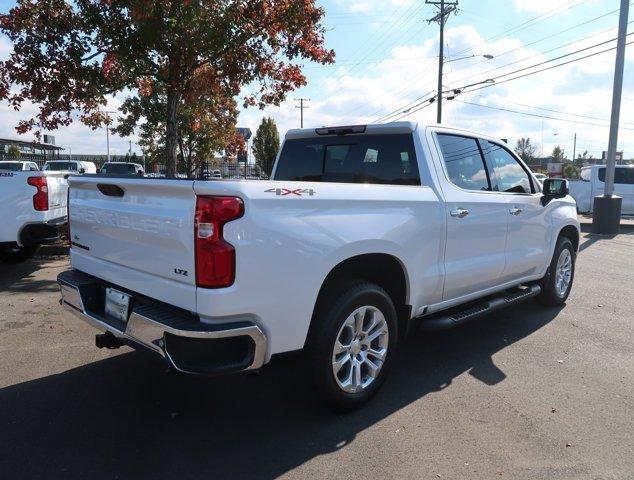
(387, 61)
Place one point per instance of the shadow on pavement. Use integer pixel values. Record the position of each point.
(20, 277)
(127, 417)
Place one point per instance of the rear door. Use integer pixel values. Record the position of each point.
(527, 243)
(477, 221)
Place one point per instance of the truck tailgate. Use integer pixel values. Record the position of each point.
(137, 233)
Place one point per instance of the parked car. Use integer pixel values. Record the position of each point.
(592, 183)
(363, 232)
(33, 211)
(18, 166)
(122, 168)
(69, 166)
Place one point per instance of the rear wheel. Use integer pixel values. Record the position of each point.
(557, 283)
(353, 343)
(17, 254)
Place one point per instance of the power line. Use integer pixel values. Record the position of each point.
(524, 25)
(548, 68)
(491, 82)
(557, 111)
(537, 115)
(398, 111)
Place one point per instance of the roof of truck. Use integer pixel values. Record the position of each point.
(373, 128)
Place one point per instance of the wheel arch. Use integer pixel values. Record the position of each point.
(383, 269)
(572, 233)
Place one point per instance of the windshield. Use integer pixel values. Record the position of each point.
(60, 166)
(11, 166)
(118, 168)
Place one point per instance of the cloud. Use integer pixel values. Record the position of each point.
(360, 94)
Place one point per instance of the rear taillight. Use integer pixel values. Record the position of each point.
(40, 199)
(215, 258)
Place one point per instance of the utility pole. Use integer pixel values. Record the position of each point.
(606, 217)
(130, 147)
(445, 9)
(574, 149)
(301, 107)
(108, 134)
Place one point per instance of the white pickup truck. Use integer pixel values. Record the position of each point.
(592, 183)
(32, 211)
(362, 230)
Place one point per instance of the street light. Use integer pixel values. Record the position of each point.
(108, 134)
(486, 55)
(574, 144)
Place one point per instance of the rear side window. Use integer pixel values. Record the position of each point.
(464, 162)
(623, 176)
(382, 159)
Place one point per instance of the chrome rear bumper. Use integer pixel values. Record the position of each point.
(180, 338)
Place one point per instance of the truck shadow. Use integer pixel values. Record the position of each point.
(127, 417)
(20, 277)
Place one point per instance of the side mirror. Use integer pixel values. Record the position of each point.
(140, 173)
(82, 170)
(554, 188)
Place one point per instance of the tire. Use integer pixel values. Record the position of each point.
(17, 254)
(365, 347)
(562, 266)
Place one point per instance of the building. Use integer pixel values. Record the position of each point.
(38, 152)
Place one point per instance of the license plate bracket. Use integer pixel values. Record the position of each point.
(117, 304)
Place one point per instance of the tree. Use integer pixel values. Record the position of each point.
(204, 127)
(525, 149)
(558, 155)
(14, 151)
(69, 56)
(266, 144)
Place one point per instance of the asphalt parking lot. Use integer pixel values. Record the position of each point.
(528, 393)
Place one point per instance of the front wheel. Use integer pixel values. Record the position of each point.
(354, 339)
(557, 283)
(17, 254)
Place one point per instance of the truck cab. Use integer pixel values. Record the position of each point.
(592, 183)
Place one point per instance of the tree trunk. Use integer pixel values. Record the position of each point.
(171, 142)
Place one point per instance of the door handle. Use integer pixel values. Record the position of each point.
(515, 211)
(459, 213)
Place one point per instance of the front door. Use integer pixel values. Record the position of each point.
(527, 243)
(477, 220)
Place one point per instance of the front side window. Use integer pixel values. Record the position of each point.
(464, 162)
(509, 174)
(379, 159)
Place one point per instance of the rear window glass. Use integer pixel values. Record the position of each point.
(621, 175)
(386, 159)
(11, 166)
(61, 166)
(118, 168)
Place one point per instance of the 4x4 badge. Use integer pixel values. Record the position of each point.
(287, 191)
